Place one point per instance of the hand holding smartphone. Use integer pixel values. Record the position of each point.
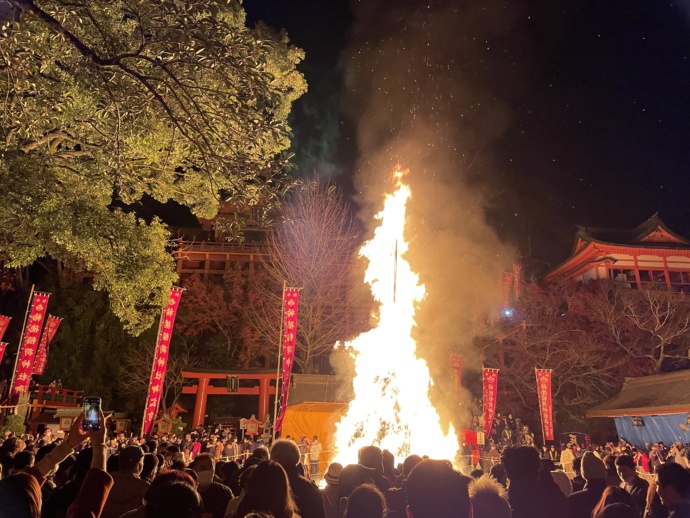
(92, 412)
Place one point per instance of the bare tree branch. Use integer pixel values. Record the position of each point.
(592, 337)
(136, 375)
(312, 249)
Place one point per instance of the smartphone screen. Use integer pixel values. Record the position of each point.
(92, 411)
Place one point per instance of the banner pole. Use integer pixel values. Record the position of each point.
(21, 341)
(280, 353)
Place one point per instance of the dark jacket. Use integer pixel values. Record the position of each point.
(582, 503)
(307, 496)
(89, 503)
(94, 489)
(381, 482)
(60, 499)
(578, 483)
(536, 499)
(638, 492)
(679, 511)
(396, 501)
(215, 498)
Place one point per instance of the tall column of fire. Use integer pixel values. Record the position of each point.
(391, 406)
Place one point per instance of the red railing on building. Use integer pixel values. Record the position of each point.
(219, 246)
(48, 396)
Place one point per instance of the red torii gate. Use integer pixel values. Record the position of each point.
(203, 389)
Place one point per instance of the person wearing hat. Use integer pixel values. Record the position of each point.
(582, 503)
(331, 493)
(128, 489)
(351, 477)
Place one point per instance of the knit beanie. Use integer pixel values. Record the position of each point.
(592, 467)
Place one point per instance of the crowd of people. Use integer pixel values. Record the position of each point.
(218, 441)
(88, 475)
(506, 429)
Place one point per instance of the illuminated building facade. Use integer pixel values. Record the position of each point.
(649, 254)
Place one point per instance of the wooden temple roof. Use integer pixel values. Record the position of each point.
(597, 244)
(659, 394)
(652, 233)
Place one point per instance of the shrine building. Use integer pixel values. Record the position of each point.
(206, 252)
(649, 254)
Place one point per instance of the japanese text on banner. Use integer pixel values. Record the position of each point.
(160, 361)
(3, 346)
(4, 322)
(51, 327)
(289, 342)
(490, 384)
(32, 333)
(545, 402)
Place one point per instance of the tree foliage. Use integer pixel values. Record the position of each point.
(312, 249)
(108, 101)
(13, 423)
(91, 351)
(90, 345)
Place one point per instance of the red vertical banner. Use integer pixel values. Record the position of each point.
(545, 403)
(4, 322)
(32, 334)
(490, 384)
(51, 327)
(456, 363)
(3, 346)
(160, 359)
(289, 342)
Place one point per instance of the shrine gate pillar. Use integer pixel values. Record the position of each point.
(200, 402)
(263, 398)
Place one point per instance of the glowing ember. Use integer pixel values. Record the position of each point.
(391, 406)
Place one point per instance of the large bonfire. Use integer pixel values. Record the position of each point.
(391, 407)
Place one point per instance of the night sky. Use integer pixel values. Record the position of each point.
(593, 97)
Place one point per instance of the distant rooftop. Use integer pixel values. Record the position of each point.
(659, 394)
(594, 245)
(651, 233)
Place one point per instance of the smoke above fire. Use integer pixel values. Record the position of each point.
(417, 89)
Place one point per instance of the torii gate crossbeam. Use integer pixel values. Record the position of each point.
(203, 388)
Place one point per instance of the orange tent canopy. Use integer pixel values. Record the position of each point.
(312, 419)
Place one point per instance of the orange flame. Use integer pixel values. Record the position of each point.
(391, 407)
